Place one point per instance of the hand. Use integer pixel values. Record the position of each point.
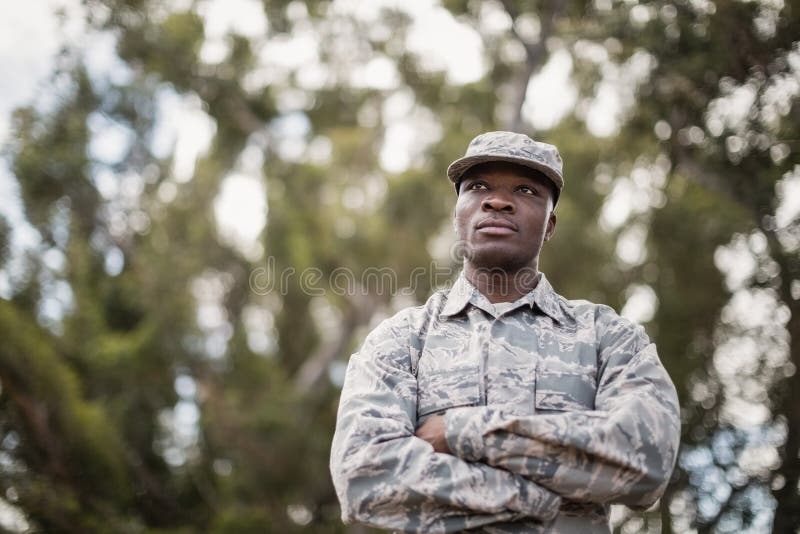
(432, 431)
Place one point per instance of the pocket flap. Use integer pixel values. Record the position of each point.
(444, 389)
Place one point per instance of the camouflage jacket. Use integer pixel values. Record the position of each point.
(554, 409)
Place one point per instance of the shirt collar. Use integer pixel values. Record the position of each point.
(543, 296)
(458, 296)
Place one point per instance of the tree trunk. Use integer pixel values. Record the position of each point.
(536, 55)
(313, 369)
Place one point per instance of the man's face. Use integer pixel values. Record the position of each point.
(503, 215)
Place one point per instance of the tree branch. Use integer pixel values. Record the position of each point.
(359, 312)
(535, 57)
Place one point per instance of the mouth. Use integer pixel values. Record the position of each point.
(496, 226)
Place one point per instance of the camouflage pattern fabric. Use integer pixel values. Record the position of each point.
(513, 148)
(554, 410)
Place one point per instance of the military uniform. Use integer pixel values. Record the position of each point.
(554, 409)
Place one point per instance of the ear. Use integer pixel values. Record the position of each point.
(551, 226)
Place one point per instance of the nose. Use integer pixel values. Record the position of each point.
(497, 202)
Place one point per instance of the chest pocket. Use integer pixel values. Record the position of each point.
(564, 390)
(443, 389)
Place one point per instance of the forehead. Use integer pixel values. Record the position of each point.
(503, 169)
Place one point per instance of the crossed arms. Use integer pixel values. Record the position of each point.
(502, 467)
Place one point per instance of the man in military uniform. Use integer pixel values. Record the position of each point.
(499, 405)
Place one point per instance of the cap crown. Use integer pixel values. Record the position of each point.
(514, 148)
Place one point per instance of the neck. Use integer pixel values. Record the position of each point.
(499, 285)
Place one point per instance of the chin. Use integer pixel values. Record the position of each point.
(498, 257)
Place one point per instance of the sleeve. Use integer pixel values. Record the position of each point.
(623, 452)
(387, 477)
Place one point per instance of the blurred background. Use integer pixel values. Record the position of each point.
(171, 169)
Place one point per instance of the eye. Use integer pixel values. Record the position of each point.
(476, 186)
(528, 190)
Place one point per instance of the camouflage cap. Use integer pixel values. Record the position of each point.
(513, 148)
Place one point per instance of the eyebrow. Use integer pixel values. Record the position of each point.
(524, 180)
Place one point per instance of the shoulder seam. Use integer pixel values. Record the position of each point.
(423, 330)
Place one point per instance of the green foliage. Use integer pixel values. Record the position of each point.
(168, 49)
(67, 437)
(51, 156)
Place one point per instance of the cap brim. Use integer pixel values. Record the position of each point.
(457, 169)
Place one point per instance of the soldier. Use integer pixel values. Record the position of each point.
(499, 405)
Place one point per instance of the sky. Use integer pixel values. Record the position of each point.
(30, 38)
